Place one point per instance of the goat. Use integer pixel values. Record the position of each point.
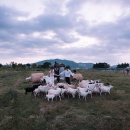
(56, 91)
(50, 96)
(84, 94)
(72, 92)
(105, 89)
(28, 78)
(31, 89)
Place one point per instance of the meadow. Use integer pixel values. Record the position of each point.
(26, 112)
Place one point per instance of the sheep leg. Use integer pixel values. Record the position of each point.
(56, 98)
(79, 97)
(60, 97)
(25, 92)
(35, 95)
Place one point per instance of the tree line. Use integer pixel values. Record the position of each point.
(106, 65)
(25, 66)
(47, 65)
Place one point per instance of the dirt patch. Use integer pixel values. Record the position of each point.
(5, 120)
(120, 91)
(2, 90)
(33, 116)
(51, 106)
(108, 117)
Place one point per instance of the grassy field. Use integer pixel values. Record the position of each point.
(25, 112)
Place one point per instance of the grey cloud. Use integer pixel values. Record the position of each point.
(74, 5)
(9, 18)
(55, 21)
(40, 23)
(112, 36)
(54, 6)
(117, 34)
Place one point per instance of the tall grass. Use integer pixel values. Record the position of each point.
(25, 112)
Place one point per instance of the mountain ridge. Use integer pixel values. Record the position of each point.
(71, 63)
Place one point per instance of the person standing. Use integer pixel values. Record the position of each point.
(56, 71)
(51, 75)
(67, 72)
(127, 71)
(61, 69)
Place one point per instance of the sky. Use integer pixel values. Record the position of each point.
(88, 31)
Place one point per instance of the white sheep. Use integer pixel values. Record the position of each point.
(105, 89)
(82, 89)
(56, 91)
(90, 93)
(50, 96)
(48, 80)
(63, 91)
(42, 89)
(92, 86)
(96, 90)
(72, 91)
(28, 78)
(85, 83)
(36, 92)
(84, 94)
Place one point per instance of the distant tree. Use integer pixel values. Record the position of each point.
(101, 65)
(7, 65)
(123, 65)
(46, 65)
(24, 66)
(1, 65)
(39, 66)
(34, 65)
(28, 65)
(13, 65)
(21, 66)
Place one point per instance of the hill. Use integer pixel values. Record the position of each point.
(72, 64)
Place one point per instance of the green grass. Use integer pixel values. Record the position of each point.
(25, 112)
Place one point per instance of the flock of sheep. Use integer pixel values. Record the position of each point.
(59, 90)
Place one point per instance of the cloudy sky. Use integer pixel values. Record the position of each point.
(79, 30)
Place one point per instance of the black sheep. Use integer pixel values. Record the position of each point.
(31, 89)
